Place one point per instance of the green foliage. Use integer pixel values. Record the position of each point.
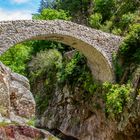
(121, 27)
(44, 67)
(41, 45)
(130, 48)
(16, 58)
(105, 7)
(45, 61)
(107, 26)
(89, 85)
(126, 20)
(126, 6)
(42, 102)
(74, 6)
(117, 31)
(51, 14)
(117, 16)
(79, 10)
(117, 96)
(118, 67)
(95, 20)
(31, 122)
(128, 55)
(76, 73)
(71, 69)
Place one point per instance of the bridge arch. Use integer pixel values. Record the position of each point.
(96, 45)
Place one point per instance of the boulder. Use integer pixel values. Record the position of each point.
(16, 101)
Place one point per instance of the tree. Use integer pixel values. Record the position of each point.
(51, 14)
(45, 4)
(79, 10)
(16, 58)
(105, 7)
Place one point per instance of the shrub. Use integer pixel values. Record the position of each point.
(72, 68)
(51, 14)
(45, 61)
(43, 68)
(105, 7)
(16, 58)
(116, 97)
(95, 20)
(107, 26)
(116, 31)
(130, 48)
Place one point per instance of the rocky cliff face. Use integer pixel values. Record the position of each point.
(69, 114)
(73, 116)
(86, 119)
(14, 132)
(16, 100)
(17, 108)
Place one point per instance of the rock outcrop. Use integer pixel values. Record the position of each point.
(16, 100)
(86, 119)
(68, 113)
(17, 108)
(14, 132)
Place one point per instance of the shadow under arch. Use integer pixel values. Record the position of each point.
(97, 46)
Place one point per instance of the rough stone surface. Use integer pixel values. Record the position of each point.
(16, 100)
(86, 119)
(96, 45)
(17, 107)
(71, 115)
(4, 91)
(12, 132)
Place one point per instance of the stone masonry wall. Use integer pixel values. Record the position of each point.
(96, 45)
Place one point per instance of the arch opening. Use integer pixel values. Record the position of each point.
(92, 43)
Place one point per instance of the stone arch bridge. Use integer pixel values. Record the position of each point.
(96, 45)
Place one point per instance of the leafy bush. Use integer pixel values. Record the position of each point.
(95, 20)
(127, 58)
(105, 8)
(116, 97)
(71, 69)
(16, 58)
(126, 20)
(45, 61)
(43, 70)
(130, 48)
(41, 45)
(76, 73)
(117, 67)
(116, 31)
(51, 14)
(107, 26)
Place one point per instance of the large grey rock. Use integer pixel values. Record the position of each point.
(16, 101)
(4, 90)
(15, 132)
(68, 113)
(83, 119)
